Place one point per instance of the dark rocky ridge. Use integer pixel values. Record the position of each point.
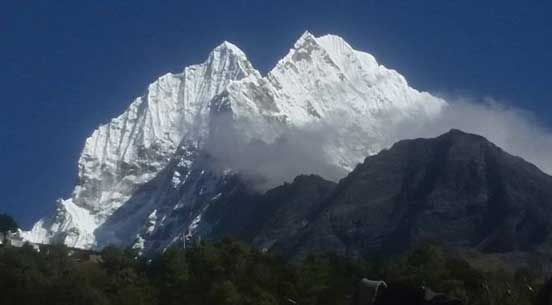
(457, 189)
(265, 219)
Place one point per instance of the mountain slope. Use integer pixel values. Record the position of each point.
(133, 148)
(457, 189)
(148, 177)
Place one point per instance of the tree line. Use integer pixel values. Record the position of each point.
(229, 272)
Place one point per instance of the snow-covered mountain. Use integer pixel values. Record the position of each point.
(150, 176)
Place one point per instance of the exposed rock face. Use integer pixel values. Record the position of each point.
(457, 189)
(149, 177)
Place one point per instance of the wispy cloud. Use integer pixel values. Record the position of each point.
(304, 150)
(513, 129)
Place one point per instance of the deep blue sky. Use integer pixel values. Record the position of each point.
(67, 66)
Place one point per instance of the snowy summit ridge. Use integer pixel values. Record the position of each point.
(146, 177)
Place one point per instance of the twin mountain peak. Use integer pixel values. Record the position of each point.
(202, 153)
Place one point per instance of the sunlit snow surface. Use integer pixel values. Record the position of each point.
(122, 196)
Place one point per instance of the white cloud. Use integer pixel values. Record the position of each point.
(301, 151)
(516, 131)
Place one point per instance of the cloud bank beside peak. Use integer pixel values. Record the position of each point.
(303, 150)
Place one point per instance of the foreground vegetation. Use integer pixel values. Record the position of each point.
(229, 272)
